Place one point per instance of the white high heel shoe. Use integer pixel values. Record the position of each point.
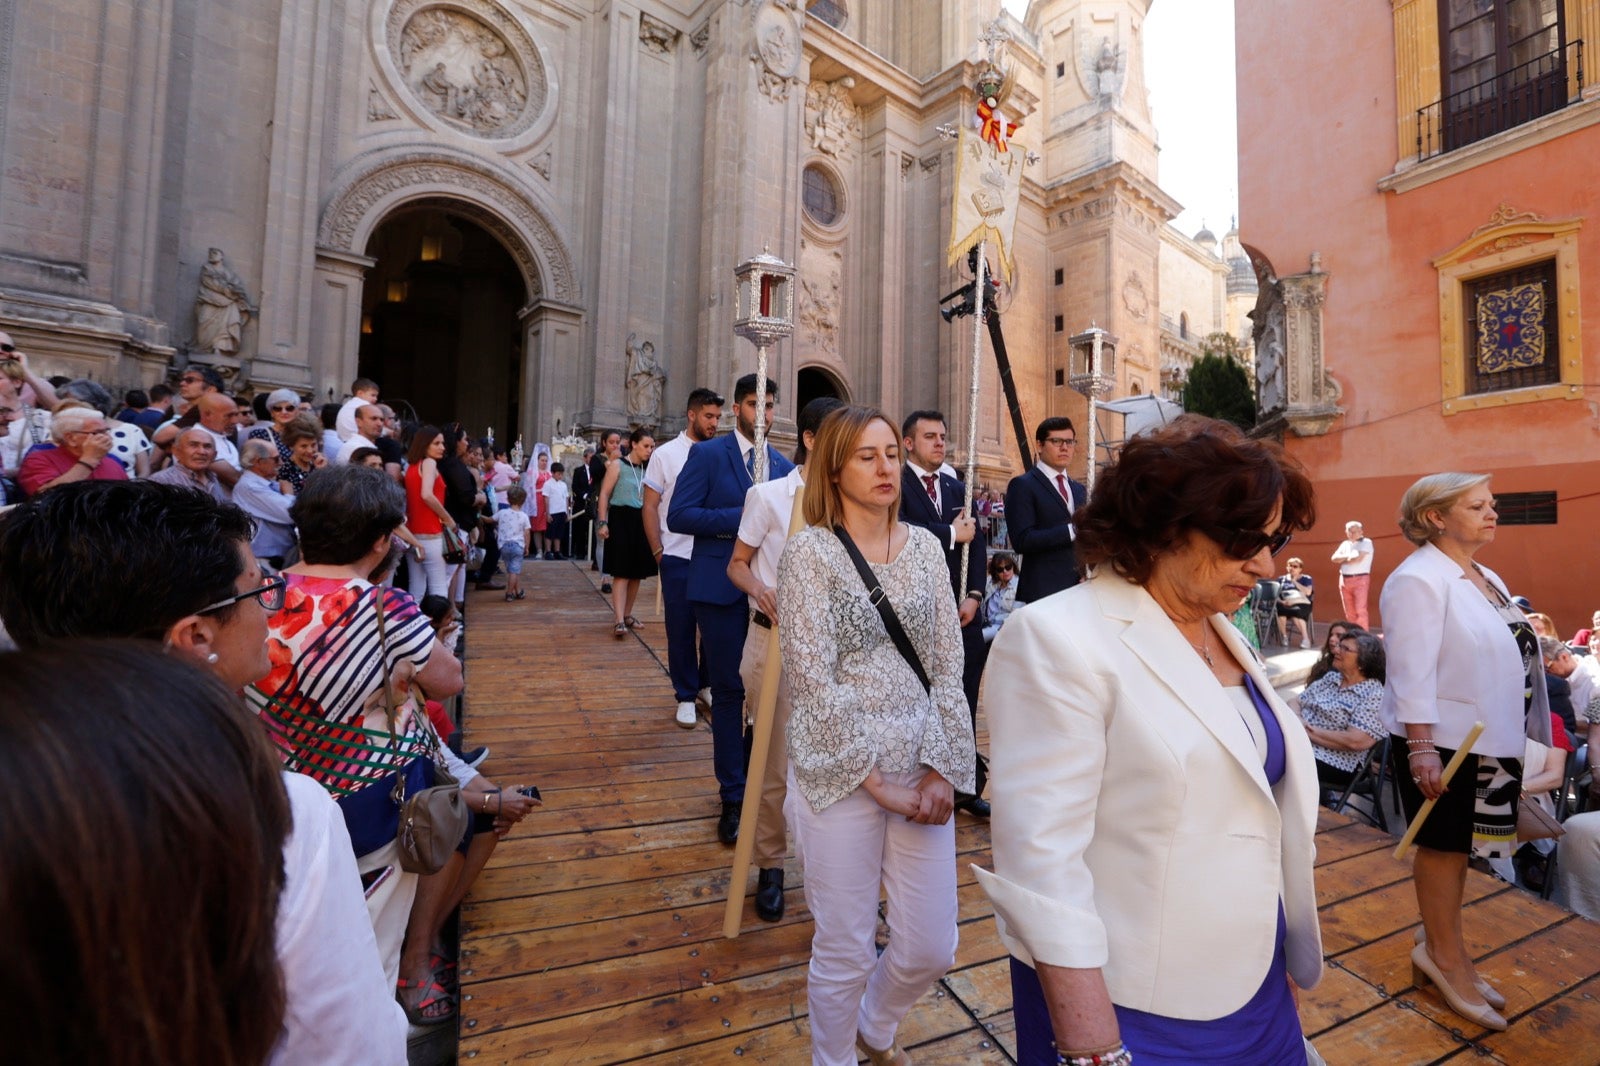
(1424, 972)
(1491, 995)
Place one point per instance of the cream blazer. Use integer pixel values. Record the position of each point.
(1133, 828)
(1452, 660)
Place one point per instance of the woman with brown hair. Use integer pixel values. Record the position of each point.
(302, 435)
(150, 937)
(1154, 800)
(426, 516)
(880, 737)
(628, 560)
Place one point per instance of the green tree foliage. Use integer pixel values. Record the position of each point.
(1220, 387)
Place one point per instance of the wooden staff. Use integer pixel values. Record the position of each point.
(1449, 771)
(760, 745)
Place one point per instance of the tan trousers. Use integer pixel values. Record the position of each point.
(772, 841)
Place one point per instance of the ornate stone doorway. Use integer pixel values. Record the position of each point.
(440, 324)
(814, 381)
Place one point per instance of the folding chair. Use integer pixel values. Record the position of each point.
(1367, 783)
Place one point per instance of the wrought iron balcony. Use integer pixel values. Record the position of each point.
(1521, 94)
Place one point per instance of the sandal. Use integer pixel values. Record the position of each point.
(620, 630)
(434, 1008)
(445, 972)
(632, 623)
(509, 597)
(522, 594)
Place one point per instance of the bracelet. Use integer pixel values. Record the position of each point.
(1117, 1056)
(1424, 751)
(974, 594)
(486, 796)
(91, 467)
(1422, 740)
(602, 522)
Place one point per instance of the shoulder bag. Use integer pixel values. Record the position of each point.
(432, 820)
(455, 549)
(1536, 823)
(880, 600)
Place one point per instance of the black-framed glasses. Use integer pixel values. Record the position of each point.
(1247, 543)
(269, 594)
(286, 407)
(1061, 442)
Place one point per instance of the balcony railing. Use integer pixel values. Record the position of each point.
(1520, 94)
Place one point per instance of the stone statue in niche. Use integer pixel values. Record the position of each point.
(1271, 392)
(1101, 70)
(462, 70)
(646, 383)
(833, 123)
(221, 308)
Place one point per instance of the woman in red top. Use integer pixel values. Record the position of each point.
(425, 514)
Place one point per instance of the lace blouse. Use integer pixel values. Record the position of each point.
(857, 703)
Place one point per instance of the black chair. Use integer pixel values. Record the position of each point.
(1264, 609)
(1573, 796)
(1367, 783)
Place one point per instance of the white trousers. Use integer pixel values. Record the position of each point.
(389, 905)
(432, 575)
(849, 850)
(1578, 874)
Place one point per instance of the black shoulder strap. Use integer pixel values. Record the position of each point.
(880, 600)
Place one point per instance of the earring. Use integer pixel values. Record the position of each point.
(212, 658)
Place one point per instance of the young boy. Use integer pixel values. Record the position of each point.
(512, 532)
(555, 495)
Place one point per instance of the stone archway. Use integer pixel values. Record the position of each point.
(814, 381)
(372, 188)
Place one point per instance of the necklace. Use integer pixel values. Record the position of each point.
(1204, 647)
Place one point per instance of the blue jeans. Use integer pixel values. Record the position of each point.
(683, 664)
(722, 630)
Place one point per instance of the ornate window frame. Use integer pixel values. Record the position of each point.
(1509, 240)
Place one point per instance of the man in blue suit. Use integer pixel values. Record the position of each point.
(1039, 514)
(937, 502)
(707, 504)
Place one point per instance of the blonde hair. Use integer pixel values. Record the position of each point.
(1294, 560)
(1436, 492)
(822, 504)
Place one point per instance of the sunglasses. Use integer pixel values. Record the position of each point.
(286, 407)
(269, 594)
(1247, 543)
(8, 348)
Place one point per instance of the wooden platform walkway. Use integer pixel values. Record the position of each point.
(594, 936)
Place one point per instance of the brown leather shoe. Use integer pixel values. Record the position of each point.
(895, 1056)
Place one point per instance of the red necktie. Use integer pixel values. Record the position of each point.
(1066, 494)
(931, 480)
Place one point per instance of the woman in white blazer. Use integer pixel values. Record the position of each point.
(1459, 652)
(1154, 802)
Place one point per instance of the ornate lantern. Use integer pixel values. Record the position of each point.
(763, 314)
(1093, 370)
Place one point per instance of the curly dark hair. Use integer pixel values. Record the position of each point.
(1195, 473)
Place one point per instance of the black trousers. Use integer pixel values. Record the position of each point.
(579, 548)
(975, 655)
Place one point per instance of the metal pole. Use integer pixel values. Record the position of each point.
(1094, 381)
(760, 474)
(979, 291)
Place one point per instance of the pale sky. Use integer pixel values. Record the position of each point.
(1189, 70)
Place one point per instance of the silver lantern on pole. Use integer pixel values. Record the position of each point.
(763, 314)
(1092, 371)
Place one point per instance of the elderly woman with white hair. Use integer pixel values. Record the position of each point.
(1459, 652)
(82, 439)
(282, 407)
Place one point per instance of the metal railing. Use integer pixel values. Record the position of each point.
(1509, 99)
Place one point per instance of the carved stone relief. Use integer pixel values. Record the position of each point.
(469, 63)
(833, 122)
(821, 291)
(775, 49)
(1134, 296)
(541, 164)
(656, 35)
(645, 384)
(701, 37)
(378, 109)
(1102, 68)
(1294, 389)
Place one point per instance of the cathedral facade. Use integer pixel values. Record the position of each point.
(500, 209)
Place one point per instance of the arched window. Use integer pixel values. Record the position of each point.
(1183, 325)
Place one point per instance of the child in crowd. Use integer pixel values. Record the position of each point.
(512, 531)
(555, 497)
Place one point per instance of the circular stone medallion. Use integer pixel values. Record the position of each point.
(468, 63)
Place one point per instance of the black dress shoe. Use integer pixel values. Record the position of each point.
(769, 894)
(976, 806)
(728, 824)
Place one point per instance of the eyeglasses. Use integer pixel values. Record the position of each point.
(1061, 442)
(189, 379)
(8, 348)
(1006, 568)
(1247, 543)
(269, 594)
(285, 407)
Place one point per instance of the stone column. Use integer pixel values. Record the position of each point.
(334, 331)
(552, 347)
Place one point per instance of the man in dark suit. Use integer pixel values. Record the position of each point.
(580, 505)
(707, 504)
(1039, 514)
(936, 502)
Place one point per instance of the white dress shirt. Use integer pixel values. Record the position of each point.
(345, 424)
(227, 451)
(1354, 557)
(1051, 474)
(666, 463)
(764, 525)
(352, 444)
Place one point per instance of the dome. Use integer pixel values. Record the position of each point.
(1205, 236)
(1241, 277)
